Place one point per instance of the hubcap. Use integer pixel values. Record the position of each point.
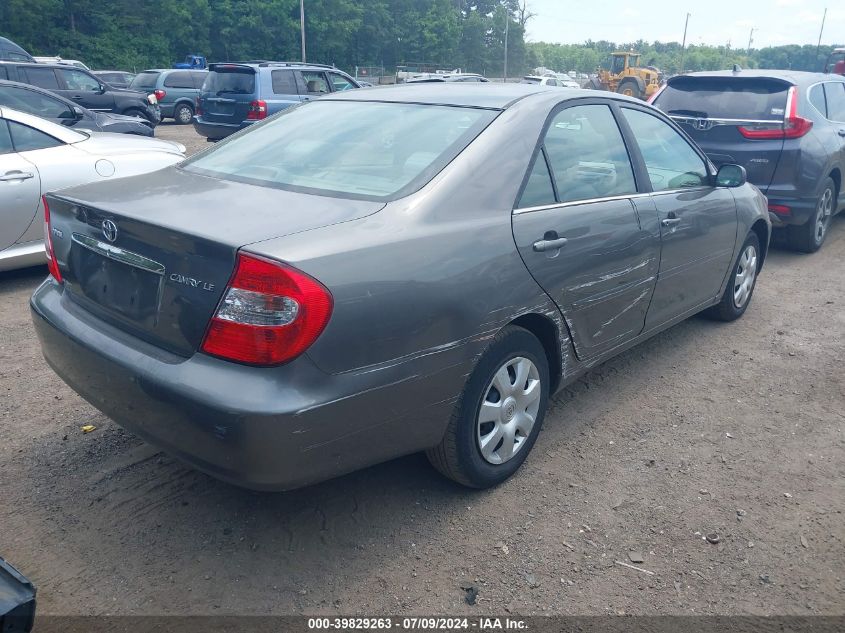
(508, 410)
(823, 214)
(746, 272)
(184, 115)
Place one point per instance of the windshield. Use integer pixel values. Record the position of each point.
(724, 97)
(365, 150)
(230, 80)
(144, 81)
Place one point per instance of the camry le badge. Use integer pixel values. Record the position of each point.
(109, 230)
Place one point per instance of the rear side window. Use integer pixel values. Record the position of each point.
(179, 80)
(816, 97)
(284, 82)
(41, 77)
(834, 93)
(538, 189)
(4, 74)
(144, 81)
(669, 159)
(238, 81)
(26, 139)
(757, 99)
(370, 151)
(587, 154)
(34, 103)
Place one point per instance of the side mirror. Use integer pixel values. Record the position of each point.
(731, 176)
(101, 89)
(78, 113)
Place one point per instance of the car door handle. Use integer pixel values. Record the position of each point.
(16, 175)
(670, 221)
(541, 246)
(77, 97)
(841, 132)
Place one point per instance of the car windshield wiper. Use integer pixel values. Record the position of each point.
(698, 114)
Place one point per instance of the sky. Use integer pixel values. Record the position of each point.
(775, 22)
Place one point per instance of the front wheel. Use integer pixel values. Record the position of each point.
(809, 237)
(499, 414)
(741, 284)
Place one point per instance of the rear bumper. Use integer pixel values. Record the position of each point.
(262, 428)
(800, 210)
(218, 130)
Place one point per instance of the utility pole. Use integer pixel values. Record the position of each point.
(302, 26)
(507, 23)
(684, 44)
(750, 39)
(819, 45)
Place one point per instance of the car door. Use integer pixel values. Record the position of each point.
(578, 230)
(84, 89)
(20, 190)
(698, 222)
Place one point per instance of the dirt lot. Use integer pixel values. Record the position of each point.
(734, 429)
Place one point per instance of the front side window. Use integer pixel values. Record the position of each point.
(41, 77)
(34, 103)
(339, 82)
(671, 161)
(78, 80)
(587, 154)
(370, 151)
(26, 139)
(315, 83)
(6, 146)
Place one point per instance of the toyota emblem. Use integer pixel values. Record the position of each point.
(702, 124)
(109, 230)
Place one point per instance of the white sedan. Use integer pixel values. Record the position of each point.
(37, 156)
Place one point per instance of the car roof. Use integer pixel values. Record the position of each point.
(261, 63)
(792, 76)
(168, 70)
(474, 95)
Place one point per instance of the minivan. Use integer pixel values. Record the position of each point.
(238, 94)
(175, 90)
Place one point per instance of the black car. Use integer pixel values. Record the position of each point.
(9, 51)
(116, 78)
(84, 89)
(787, 128)
(48, 105)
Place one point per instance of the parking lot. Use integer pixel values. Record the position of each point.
(732, 431)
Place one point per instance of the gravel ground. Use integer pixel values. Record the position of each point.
(727, 429)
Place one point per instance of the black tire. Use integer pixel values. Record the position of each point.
(809, 237)
(458, 456)
(630, 87)
(183, 114)
(727, 309)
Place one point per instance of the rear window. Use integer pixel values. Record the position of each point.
(239, 81)
(369, 151)
(144, 81)
(724, 98)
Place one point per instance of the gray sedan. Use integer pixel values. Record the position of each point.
(378, 273)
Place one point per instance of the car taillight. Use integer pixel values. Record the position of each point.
(197, 106)
(159, 94)
(780, 209)
(793, 126)
(269, 314)
(52, 265)
(257, 110)
(656, 92)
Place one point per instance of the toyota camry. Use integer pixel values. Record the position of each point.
(376, 273)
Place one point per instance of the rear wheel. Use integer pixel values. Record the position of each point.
(183, 114)
(741, 284)
(809, 237)
(630, 88)
(499, 414)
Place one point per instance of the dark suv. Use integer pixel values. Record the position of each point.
(236, 95)
(82, 87)
(175, 90)
(787, 128)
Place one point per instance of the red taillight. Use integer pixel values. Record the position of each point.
(52, 265)
(197, 106)
(269, 314)
(657, 92)
(159, 94)
(257, 110)
(780, 209)
(793, 126)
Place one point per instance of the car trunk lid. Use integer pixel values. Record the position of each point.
(714, 111)
(156, 267)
